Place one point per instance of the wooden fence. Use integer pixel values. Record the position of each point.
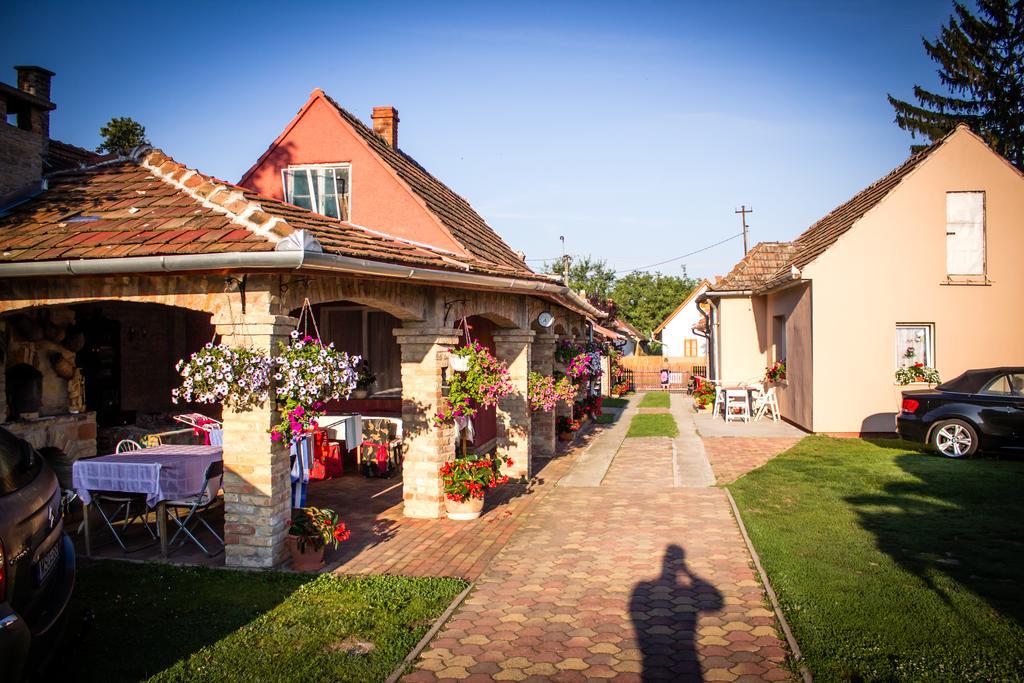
(644, 372)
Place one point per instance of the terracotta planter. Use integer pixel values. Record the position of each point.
(565, 436)
(308, 560)
(466, 510)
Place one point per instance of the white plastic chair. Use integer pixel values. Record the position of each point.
(737, 405)
(767, 401)
(127, 446)
(719, 400)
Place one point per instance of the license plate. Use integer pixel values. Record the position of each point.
(46, 563)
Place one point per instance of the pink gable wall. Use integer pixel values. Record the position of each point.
(379, 200)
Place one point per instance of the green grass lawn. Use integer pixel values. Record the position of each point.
(609, 402)
(655, 399)
(893, 564)
(653, 424)
(188, 624)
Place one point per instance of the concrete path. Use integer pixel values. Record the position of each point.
(618, 574)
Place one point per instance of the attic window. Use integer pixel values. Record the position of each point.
(321, 188)
(965, 233)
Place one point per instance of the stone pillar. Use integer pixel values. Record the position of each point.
(424, 355)
(257, 479)
(542, 423)
(514, 431)
(562, 409)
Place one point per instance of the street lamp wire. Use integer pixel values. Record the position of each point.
(678, 258)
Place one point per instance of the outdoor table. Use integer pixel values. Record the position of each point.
(162, 473)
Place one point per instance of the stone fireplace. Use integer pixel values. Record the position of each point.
(40, 387)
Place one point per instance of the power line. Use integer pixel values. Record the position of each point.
(678, 258)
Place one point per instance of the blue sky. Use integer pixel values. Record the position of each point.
(633, 129)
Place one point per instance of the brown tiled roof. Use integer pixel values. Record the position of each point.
(823, 234)
(150, 205)
(467, 226)
(754, 269)
(61, 156)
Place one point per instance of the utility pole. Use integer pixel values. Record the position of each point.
(743, 211)
(565, 263)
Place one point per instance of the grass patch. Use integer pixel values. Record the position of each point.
(604, 419)
(893, 564)
(610, 402)
(656, 399)
(653, 424)
(190, 624)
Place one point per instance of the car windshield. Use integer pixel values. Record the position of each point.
(19, 463)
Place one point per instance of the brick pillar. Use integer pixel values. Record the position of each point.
(257, 479)
(542, 423)
(562, 409)
(514, 430)
(424, 354)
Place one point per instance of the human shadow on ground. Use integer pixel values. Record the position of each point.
(665, 612)
(954, 518)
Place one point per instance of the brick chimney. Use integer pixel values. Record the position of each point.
(35, 80)
(385, 124)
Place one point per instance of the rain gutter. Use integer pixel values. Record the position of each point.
(296, 260)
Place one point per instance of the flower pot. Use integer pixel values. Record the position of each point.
(308, 560)
(459, 363)
(565, 436)
(360, 394)
(465, 510)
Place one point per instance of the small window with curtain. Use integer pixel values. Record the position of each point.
(323, 189)
(915, 344)
(965, 233)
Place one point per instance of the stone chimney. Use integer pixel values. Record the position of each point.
(385, 124)
(35, 80)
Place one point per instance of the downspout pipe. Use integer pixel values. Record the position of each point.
(290, 260)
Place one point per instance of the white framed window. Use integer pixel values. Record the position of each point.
(915, 343)
(323, 188)
(965, 233)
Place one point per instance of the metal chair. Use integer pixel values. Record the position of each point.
(196, 505)
(123, 501)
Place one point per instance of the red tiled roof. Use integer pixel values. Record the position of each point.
(753, 270)
(61, 156)
(467, 226)
(150, 205)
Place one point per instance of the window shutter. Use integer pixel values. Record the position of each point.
(965, 233)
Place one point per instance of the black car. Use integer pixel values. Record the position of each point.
(979, 409)
(37, 560)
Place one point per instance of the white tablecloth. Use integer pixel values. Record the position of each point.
(347, 428)
(165, 472)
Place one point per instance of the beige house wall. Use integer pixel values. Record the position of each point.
(891, 268)
(741, 338)
(796, 393)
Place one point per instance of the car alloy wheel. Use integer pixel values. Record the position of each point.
(955, 439)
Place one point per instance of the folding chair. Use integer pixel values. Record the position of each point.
(123, 501)
(767, 401)
(737, 405)
(196, 505)
(719, 400)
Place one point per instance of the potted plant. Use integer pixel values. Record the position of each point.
(566, 427)
(918, 372)
(309, 532)
(466, 481)
(307, 374)
(704, 394)
(776, 372)
(485, 380)
(544, 392)
(364, 379)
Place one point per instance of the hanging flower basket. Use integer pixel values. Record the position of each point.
(308, 374)
(237, 377)
(545, 392)
(485, 380)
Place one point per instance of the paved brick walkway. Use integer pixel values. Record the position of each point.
(631, 580)
(732, 457)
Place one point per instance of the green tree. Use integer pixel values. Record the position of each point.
(588, 274)
(981, 60)
(645, 299)
(121, 135)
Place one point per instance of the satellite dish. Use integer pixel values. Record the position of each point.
(545, 319)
